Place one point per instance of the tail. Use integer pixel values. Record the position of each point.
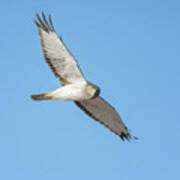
(44, 96)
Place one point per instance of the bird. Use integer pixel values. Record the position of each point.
(74, 86)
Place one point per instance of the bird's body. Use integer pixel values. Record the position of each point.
(75, 87)
(70, 92)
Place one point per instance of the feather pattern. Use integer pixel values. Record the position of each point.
(58, 57)
(104, 113)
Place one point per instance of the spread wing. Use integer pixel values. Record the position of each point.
(56, 54)
(104, 113)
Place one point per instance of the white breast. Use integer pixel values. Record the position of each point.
(71, 92)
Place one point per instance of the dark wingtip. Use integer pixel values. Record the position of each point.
(37, 24)
(43, 14)
(46, 22)
(43, 23)
(40, 23)
(128, 137)
(124, 136)
(51, 23)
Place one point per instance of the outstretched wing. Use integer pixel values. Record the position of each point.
(58, 57)
(104, 113)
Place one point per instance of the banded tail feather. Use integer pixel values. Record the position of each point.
(39, 97)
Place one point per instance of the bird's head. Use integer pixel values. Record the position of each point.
(93, 90)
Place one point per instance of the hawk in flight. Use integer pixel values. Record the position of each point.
(75, 87)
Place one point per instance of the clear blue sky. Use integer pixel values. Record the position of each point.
(131, 49)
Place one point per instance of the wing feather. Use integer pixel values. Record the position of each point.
(58, 57)
(104, 113)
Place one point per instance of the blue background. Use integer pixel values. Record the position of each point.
(131, 49)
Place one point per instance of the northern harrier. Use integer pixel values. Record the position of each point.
(74, 85)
